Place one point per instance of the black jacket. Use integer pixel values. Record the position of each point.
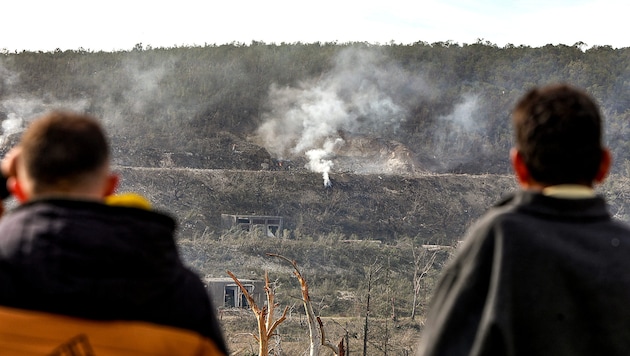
(536, 276)
(95, 261)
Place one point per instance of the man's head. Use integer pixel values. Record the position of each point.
(63, 154)
(558, 133)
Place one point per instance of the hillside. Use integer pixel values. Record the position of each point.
(432, 207)
(436, 207)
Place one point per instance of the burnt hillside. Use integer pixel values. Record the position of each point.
(373, 206)
(384, 207)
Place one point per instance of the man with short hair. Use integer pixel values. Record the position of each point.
(66, 251)
(546, 271)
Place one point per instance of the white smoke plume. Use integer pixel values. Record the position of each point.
(359, 95)
(463, 113)
(11, 125)
(8, 78)
(458, 134)
(319, 160)
(136, 95)
(18, 109)
(144, 83)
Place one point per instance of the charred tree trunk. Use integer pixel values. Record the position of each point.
(421, 267)
(317, 334)
(264, 316)
(374, 268)
(367, 315)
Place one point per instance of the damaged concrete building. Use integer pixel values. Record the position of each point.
(225, 293)
(271, 226)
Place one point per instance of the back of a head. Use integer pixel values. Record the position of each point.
(558, 132)
(62, 148)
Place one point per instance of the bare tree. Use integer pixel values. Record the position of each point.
(264, 315)
(372, 271)
(317, 334)
(422, 264)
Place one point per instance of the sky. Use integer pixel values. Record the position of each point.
(44, 25)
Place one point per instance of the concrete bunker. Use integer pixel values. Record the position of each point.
(225, 293)
(270, 225)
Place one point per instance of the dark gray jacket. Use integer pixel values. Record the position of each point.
(536, 276)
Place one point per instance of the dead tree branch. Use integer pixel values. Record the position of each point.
(315, 325)
(264, 316)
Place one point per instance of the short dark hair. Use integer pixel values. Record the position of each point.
(558, 132)
(63, 147)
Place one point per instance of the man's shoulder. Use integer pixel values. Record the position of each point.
(113, 226)
(507, 208)
(512, 214)
(535, 205)
(75, 208)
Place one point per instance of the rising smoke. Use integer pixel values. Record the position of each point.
(456, 133)
(329, 120)
(18, 108)
(135, 93)
(363, 93)
(118, 98)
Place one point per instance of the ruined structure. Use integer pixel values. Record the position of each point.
(227, 294)
(270, 225)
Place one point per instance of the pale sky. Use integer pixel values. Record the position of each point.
(118, 25)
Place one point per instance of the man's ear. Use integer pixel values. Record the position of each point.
(519, 167)
(111, 184)
(16, 189)
(604, 166)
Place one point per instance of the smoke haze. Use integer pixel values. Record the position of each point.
(359, 95)
(456, 134)
(350, 118)
(365, 94)
(20, 109)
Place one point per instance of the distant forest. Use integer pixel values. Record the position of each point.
(447, 104)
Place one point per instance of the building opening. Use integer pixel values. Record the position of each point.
(270, 225)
